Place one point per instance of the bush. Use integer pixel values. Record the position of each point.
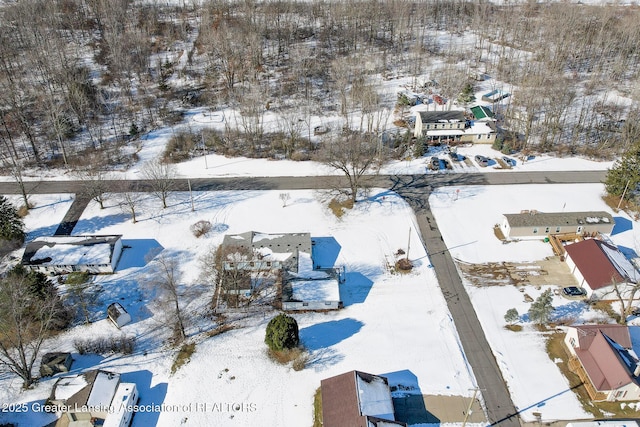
(105, 345)
(511, 316)
(282, 333)
(200, 228)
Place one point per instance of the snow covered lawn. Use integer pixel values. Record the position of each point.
(392, 324)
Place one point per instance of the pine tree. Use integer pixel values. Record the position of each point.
(625, 173)
(511, 316)
(541, 308)
(282, 333)
(11, 225)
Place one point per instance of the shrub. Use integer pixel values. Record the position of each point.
(511, 316)
(200, 228)
(282, 333)
(105, 345)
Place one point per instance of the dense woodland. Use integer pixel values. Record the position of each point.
(81, 79)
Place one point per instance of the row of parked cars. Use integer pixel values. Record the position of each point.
(485, 161)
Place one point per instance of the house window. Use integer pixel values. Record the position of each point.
(305, 304)
(535, 230)
(572, 341)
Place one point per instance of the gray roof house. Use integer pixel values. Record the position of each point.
(452, 127)
(251, 257)
(93, 254)
(535, 224)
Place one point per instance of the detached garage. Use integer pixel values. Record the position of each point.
(598, 265)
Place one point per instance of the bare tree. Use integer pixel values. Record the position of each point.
(161, 177)
(25, 320)
(355, 155)
(94, 183)
(129, 199)
(624, 293)
(164, 279)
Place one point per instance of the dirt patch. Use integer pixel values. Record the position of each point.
(549, 271)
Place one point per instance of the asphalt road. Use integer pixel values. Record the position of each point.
(415, 189)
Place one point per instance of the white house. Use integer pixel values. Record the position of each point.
(65, 254)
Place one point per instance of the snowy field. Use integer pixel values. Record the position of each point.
(466, 222)
(396, 325)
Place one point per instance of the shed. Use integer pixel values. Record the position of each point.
(54, 363)
(118, 315)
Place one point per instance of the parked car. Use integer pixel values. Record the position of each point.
(435, 163)
(482, 160)
(509, 161)
(574, 292)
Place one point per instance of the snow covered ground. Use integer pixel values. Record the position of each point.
(466, 221)
(392, 324)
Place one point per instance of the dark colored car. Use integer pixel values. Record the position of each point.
(573, 292)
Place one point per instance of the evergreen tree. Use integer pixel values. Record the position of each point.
(626, 170)
(541, 308)
(282, 333)
(511, 316)
(11, 225)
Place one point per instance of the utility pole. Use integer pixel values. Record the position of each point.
(623, 194)
(473, 399)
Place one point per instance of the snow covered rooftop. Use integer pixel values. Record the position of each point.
(70, 250)
(315, 290)
(103, 390)
(374, 396)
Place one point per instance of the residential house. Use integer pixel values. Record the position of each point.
(311, 288)
(535, 224)
(599, 266)
(442, 126)
(252, 256)
(452, 127)
(357, 399)
(65, 254)
(93, 398)
(604, 359)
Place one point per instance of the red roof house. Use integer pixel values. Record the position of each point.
(603, 357)
(598, 265)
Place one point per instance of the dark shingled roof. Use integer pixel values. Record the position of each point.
(435, 116)
(558, 219)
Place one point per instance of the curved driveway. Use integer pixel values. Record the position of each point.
(415, 189)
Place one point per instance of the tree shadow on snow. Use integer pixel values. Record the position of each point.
(408, 401)
(355, 289)
(324, 251)
(90, 225)
(621, 225)
(326, 334)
